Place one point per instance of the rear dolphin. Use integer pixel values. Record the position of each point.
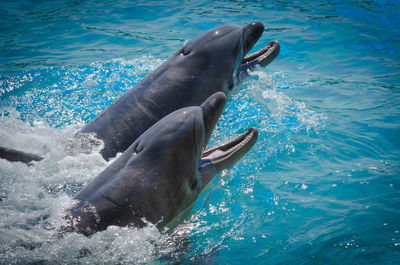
(213, 62)
(161, 174)
(13, 155)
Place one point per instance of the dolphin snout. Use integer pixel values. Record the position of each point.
(212, 109)
(252, 32)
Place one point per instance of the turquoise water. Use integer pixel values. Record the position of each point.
(321, 185)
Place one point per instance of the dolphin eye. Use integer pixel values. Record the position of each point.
(231, 85)
(137, 149)
(194, 184)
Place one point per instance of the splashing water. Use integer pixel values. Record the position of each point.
(34, 199)
(320, 186)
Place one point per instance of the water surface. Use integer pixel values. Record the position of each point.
(321, 186)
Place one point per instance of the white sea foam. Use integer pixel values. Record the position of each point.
(33, 201)
(34, 198)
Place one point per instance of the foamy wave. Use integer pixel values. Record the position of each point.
(34, 199)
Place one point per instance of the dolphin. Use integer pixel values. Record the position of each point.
(161, 174)
(13, 155)
(213, 62)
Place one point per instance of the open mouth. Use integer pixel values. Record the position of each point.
(232, 150)
(262, 57)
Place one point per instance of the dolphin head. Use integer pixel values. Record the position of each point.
(223, 50)
(162, 173)
(167, 167)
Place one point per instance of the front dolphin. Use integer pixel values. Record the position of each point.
(162, 172)
(213, 62)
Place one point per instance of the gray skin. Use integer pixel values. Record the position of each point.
(13, 155)
(213, 62)
(161, 174)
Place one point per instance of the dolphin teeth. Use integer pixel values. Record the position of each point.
(264, 55)
(241, 144)
(231, 146)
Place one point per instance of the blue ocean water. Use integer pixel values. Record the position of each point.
(321, 186)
